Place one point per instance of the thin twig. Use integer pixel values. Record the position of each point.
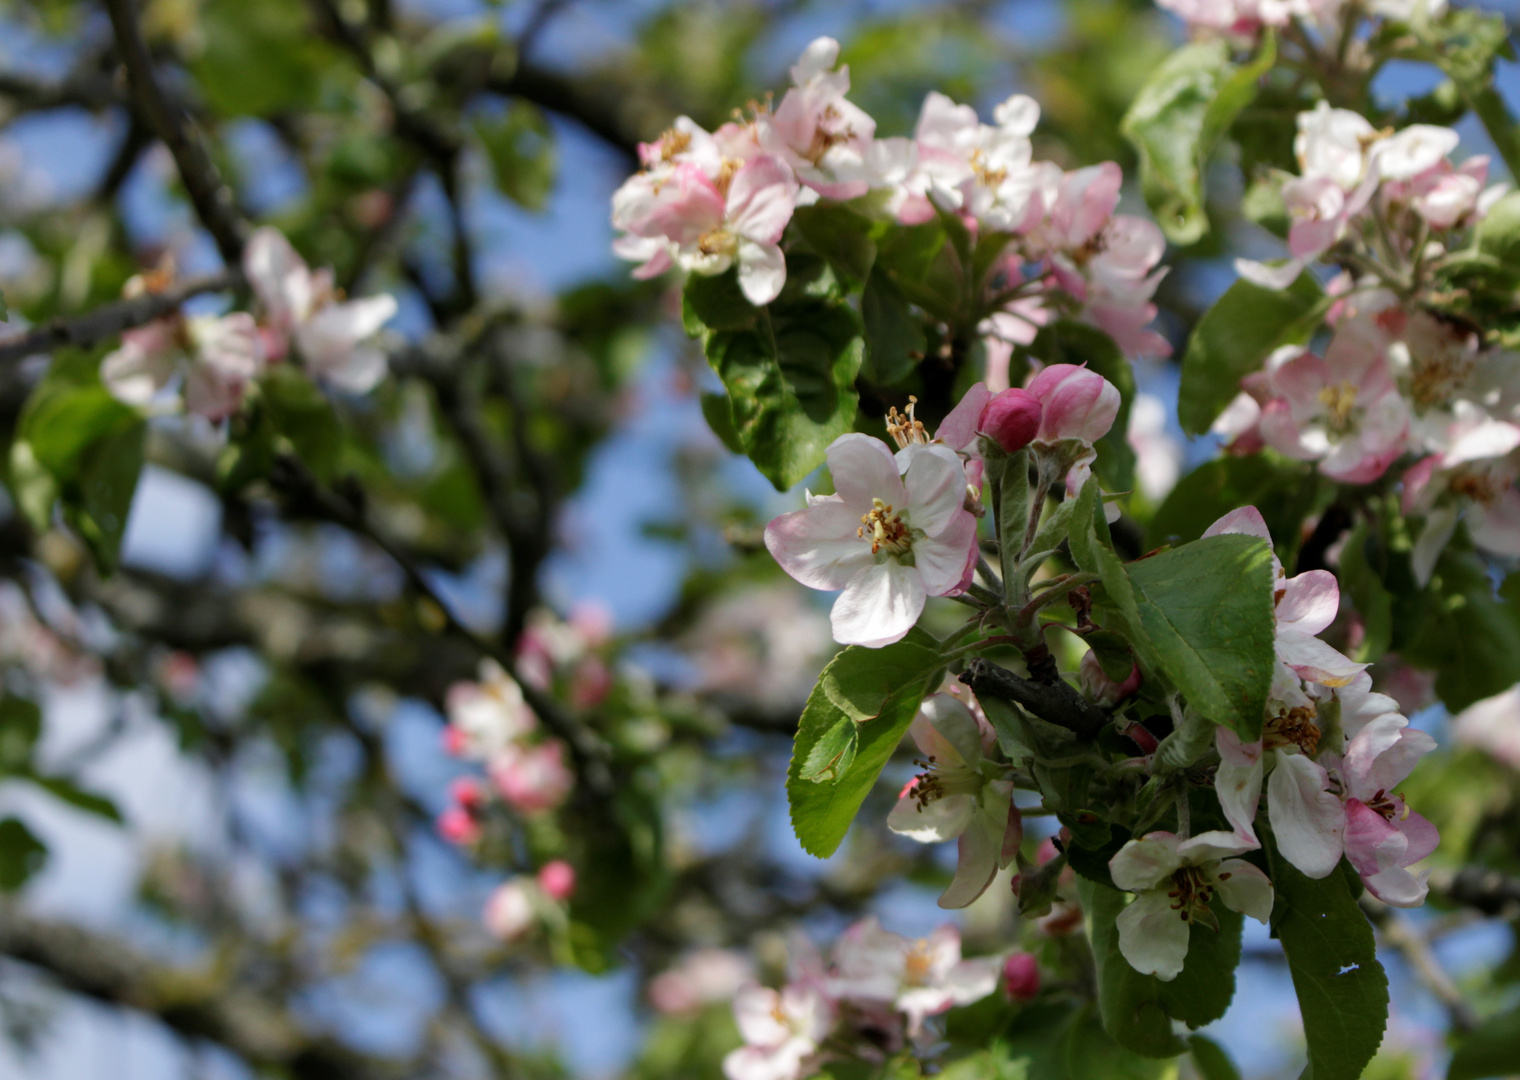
(92, 327)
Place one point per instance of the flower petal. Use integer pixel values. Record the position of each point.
(1141, 864)
(1152, 936)
(1245, 889)
(1306, 818)
(977, 858)
(878, 606)
(935, 481)
(864, 469)
(1309, 602)
(934, 822)
(1239, 789)
(818, 545)
(762, 271)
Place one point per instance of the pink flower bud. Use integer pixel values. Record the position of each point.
(457, 826)
(1012, 419)
(557, 879)
(533, 779)
(1078, 403)
(1021, 977)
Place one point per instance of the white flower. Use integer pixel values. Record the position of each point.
(956, 799)
(1173, 881)
(781, 1030)
(919, 978)
(896, 533)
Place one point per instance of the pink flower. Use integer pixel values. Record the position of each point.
(510, 911)
(822, 136)
(700, 978)
(1173, 881)
(1012, 419)
(1382, 835)
(533, 779)
(1307, 819)
(918, 978)
(735, 219)
(782, 1031)
(557, 880)
(896, 533)
(1344, 411)
(334, 337)
(955, 800)
(488, 716)
(1021, 977)
(218, 356)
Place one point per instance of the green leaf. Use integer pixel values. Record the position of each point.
(1130, 1003)
(1201, 613)
(62, 420)
(1066, 1042)
(876, 692)
(1467, 632)
(1210, 1059)
(97, 503)
(1499, 232)
(1203, 991)
(520, 147)
(1342, 989)
(791, 382)
(303, 419)
(927, 269)
(21, 854)
(5, 312)
(1465, 44)
(720, 417)
(841, 236)
(715, 302)
(895, 340)
(68, 791)
(1066, 341)
(1179, 115)
(1372, 600)
(1491, 1049)
(259, 59)
(20, 725)
(1233, 339)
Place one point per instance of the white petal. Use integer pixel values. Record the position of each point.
(1141, 864)
(1306, 819)
(936, 483)
(762, 271)
(818, 545)
(864, 469)
(1152, 936)
(878, 606)
(1246, 889)
(939, 820)
(977, 857)
(1439, 526)
(1239, 791)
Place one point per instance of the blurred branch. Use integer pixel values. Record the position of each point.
(85, 89)
(598, 109)
(211, 198)
(1400, 932)
(195, 1004)
(1478, 887)
(106, 322)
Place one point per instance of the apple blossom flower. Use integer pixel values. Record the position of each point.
(823, 137)
(511, 909)
(1492, 725)
(895, 533)
(918, 978)
(1382, 834)
(1344, 411)
(960, 796)
(334, 336)
(1307, 819)
(1077, 403)
(218, 357)
(1012, 419)
(532, 779)
(735, 218)
(1174, 880)
(487, 717)
(782, 1030)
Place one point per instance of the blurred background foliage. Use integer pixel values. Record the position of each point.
(221, 763)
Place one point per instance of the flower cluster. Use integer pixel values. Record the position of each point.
(878, 992)
(707, 201)
(1395, 379)
(562, 656)
(520, 903)
(1324, 800)
(215, 358)
(902, 527)
(1246, 18)
(490, 722)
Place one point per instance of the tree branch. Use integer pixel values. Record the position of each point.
(1056, 700)
(106, 322)
(212, 199)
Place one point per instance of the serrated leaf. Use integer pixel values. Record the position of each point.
(1234, 337)
(97, 502)
(1342, 989)
(720, 418)
(895, 340)
(877, 693)
(791, 382)
(519, 144)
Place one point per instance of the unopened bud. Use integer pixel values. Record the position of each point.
(1012, 419)
(1021, 977)
(557, 879)
(1077, 403)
